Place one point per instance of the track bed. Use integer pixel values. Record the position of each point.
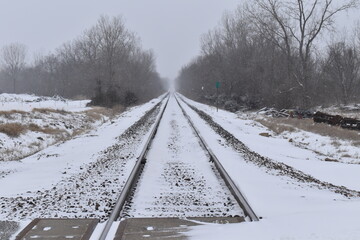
(178, 179)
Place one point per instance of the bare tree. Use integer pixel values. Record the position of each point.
(342, 69)
(116, 44)
(294, 26)
(13, 59)
(106, 60)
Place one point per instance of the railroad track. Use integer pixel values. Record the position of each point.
(174, 180)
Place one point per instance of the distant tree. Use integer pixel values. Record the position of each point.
(116, 44)
(294, 26)
(342, 69)
(107, 54)
(13, 59)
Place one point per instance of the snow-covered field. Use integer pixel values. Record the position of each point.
(29, 123)
(317, 199)
(25, 102)
(289, 209)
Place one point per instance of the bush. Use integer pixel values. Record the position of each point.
(231, 106)
(130, 98)
(109, 98)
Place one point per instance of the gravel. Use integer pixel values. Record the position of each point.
(268, 164)
(93, 191)
(178, 179)
(7, 229)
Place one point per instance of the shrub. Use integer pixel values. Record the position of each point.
(108, 98)
(130, 98)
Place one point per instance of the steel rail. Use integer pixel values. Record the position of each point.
(131, 181)
(239, 196)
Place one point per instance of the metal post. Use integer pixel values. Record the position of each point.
(217, 99)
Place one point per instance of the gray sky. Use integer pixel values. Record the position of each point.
(172, 28)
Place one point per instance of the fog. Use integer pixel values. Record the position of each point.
(171, 28)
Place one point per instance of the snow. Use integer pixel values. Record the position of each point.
(26, 102)
(280, 149)
(50, 164)
(288, 209)
(55, 119)
(178, 180)
(318, 224)
(40, 178)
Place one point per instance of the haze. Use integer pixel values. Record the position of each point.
(171, 28)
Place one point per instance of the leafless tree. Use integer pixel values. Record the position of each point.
(116, 44)
(13, 59)
(342, 69)
(294, 26)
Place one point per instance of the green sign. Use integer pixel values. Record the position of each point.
(217, 84)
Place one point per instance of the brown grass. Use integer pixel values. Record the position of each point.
(47, 130)
(80, 97)
(12, 129)
(50, 110)
(275, 127)
(80, 131)
(16, 129)
(9, 114)
(280, 125)
(96, 113)
(117, 109)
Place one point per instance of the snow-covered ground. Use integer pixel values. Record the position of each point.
(67, 170)
(30, 123)
(26, 102)
(349, 110)
(179, 180)
(289, 209)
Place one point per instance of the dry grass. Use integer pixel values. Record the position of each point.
(280, 125)
(10, 114)
(275, 127)
(96, 113)
(47, 130)
(49, 110)
(81, 131)
(80, 97)
(16, 129)
(35, 145)
(117, 109)
(12, 129)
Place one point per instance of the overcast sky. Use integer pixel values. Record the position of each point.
(172, 28)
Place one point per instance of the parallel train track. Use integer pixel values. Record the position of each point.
(132, 182)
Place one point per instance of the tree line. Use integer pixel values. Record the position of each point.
(106, 62)
(266, 53)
